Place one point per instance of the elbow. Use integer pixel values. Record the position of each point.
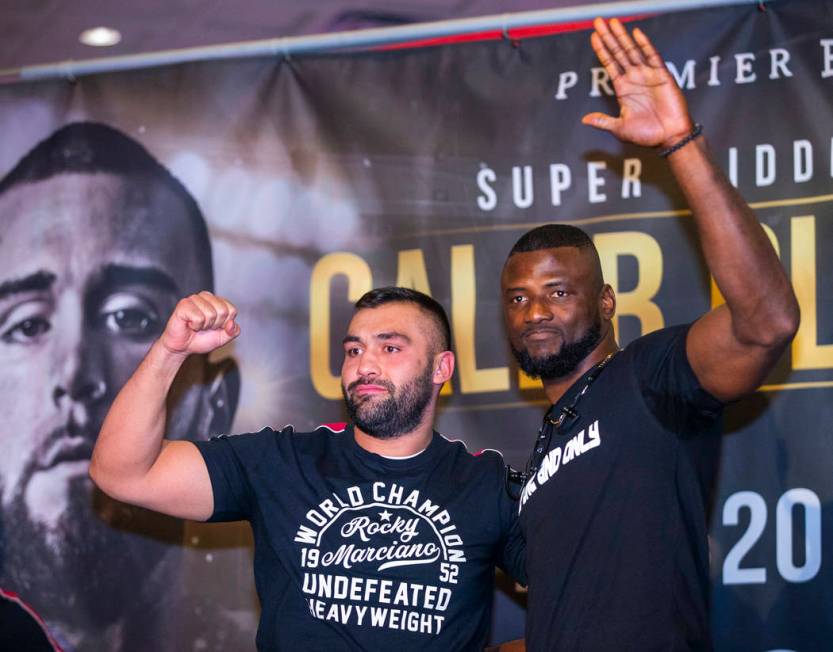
(772, 325)
(94, 472)
(780, 325)
(117, 482)
(106, 482)
(784, 323)
(98, 477)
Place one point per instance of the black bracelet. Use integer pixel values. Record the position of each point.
(698, 129)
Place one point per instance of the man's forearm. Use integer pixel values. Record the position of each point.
(131, 437)
(737, 251)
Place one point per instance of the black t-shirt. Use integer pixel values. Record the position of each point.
(615, 520)
(354, 551)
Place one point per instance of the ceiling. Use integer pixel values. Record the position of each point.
(46, 31)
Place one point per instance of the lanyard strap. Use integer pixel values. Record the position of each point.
(566, 416)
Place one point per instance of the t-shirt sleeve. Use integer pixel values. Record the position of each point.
(512, 552)
(225, 458)
(671, 389)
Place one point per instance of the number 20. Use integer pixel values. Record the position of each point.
(734, 574)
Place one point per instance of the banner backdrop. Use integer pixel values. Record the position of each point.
(320, 178)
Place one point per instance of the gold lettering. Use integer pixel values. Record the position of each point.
(637, 302)
(807, 353)
(463, 306)
(412, 273)
(528, 382)
(359, 281)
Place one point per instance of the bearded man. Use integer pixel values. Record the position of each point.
(613, 500)
(99, 240)
(379, 535)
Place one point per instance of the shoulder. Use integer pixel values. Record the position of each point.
(320, 438)
(659, 363)
(270, 439)
(658, 350)
(479, 476)
(483, 460)
(285, 433)
(658, 342)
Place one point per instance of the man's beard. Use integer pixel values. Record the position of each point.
(88, 569)
(564, 361)
(397, 414)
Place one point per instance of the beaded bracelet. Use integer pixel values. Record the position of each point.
(698, 129)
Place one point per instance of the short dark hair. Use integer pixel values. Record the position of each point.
(91, 147)
(550, 236)
(391, 294)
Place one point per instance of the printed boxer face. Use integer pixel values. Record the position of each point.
(91, 265)
(387, 375)
(551, 307)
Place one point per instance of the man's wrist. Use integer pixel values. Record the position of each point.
(163, 360)
(679, 142)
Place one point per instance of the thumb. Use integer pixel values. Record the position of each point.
(602, 121)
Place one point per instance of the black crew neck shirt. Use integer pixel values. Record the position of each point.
(615, 519)
(354, 551)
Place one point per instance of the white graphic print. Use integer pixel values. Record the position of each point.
(559, 456)
(362, 550)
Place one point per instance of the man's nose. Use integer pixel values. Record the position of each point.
(81, 378)
(538, 310)
(368, 366)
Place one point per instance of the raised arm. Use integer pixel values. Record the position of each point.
(733, 347)
(131, 461)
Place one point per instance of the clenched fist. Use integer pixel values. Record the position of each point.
(200, 323)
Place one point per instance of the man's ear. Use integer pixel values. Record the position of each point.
(607, 303)
(220, 400)
(443, 368)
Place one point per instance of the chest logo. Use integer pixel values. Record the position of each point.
(559, 456)
(360, 551)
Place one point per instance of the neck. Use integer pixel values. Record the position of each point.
(554, 388)
(403, 445)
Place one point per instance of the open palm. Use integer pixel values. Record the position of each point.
(652, 109)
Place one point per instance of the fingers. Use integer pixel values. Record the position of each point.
(206, 311)
(611, 66)
(617, 51)
(648, 49)
(232, 328)
(203, 315)
(607, 47)
(631, 50)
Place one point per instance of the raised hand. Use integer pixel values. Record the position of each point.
(200, 323)
(652, 109)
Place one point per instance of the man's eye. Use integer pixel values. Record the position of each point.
(130, 322)
(518, 299)
(352, 353)
(131, 315)
(390, 348)
(560, 293)
(27, 331)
